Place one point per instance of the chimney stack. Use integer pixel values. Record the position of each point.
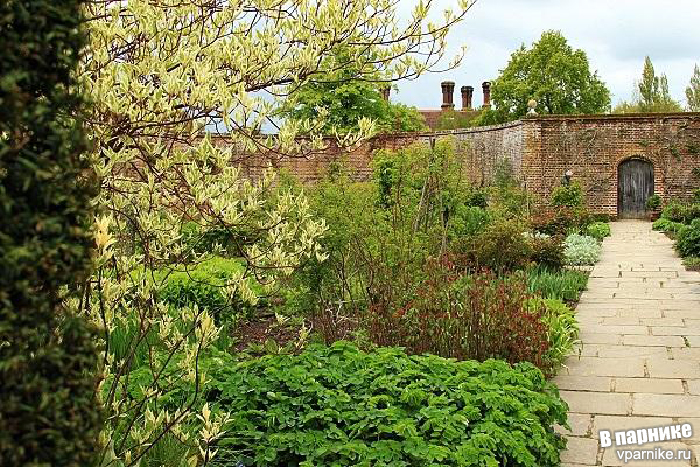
(486, 86)
(467, 93)
(448, 90)
(386, 92)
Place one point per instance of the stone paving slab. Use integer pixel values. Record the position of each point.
(651, 385)
(638, 364)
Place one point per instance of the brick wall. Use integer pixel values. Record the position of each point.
(593, 147)
(539, 150)
(482, 149)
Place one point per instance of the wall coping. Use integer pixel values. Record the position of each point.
(611, 116)
(525, 120)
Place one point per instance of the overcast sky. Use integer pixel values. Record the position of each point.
(616, 35)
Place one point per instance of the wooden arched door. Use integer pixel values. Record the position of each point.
(635, 183)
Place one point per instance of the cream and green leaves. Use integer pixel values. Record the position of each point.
(158, 74)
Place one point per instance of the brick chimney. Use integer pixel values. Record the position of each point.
(486, 86)
(448, 90)
(386, 92)
(467, 93)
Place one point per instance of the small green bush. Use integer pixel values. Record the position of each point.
(509, 202)
(469, 221)
(653, 203)
(205, 286)
(501, 246)
(568, 196)
(548, 252)
(581, 250)
(605, 218)
(476, 199)
(219, 240)
(689, 240)
(562, 329)
(692, 263)
(340, 406)
(565, 285)
(666, 225)
(692, 212)
(684, 213)
(674, 212)
(558, 221)
(598, 230)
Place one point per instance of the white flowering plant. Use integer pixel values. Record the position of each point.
(581, 250)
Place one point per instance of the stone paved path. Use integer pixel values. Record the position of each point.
(639, 363)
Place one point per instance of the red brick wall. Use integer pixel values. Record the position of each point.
(540, 149)
(594, 146)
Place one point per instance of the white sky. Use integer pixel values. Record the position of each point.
(616, 35)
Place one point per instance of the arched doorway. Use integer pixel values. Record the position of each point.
(635, 183)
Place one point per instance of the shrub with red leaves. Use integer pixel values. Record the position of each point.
(467, 317)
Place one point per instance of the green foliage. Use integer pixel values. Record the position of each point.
(501, 246)
(674, 211)
(562, 330)
(564, 285)
(469, 221)
(689, 239)
(349, 94)
(558, 221)
(568, 196)
(204, 285)
(598, 230)
(581, 250)
(222, 240)
(653, 203)
(684, 213)
(547, 252)
(605, 218)
(553, 74)
(488, 117)
(340, 406)
(692, 92)
(508, 201)
(664, 224)
(401, 117)
(692, 263)
(651, 94)
(48, 360)
(477, 199)
(453, 120)
(382, 232)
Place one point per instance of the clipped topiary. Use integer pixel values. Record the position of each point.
(48, 412)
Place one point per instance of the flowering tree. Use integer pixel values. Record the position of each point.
(159, 73)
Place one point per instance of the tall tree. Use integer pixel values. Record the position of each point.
(651, 94)
(552, 73)
(653, 89)
(48, 362)
(346, 96)
(692, 92)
